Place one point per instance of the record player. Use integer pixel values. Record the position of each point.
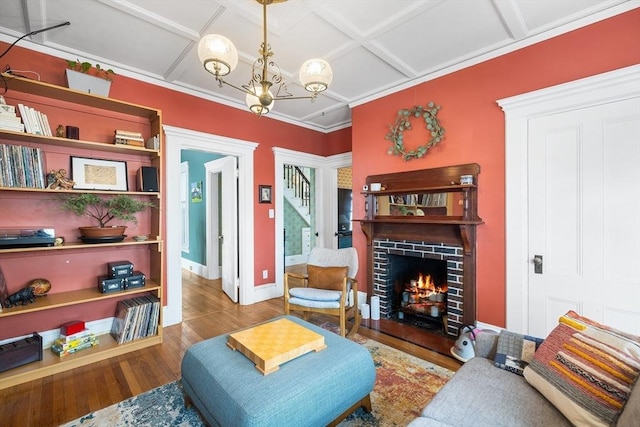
(26, 237)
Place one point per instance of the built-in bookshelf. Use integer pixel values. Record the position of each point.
(26, 200)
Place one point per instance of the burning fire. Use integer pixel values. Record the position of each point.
(426, 283)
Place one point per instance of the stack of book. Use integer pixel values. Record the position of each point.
(22, 167)
(136, 318)
(9, 120)
(69, 344)
(126, 137)
(35, 122)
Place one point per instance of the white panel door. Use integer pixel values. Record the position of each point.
(584, 216)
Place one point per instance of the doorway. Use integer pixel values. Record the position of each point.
(326, 196)
(178, 139)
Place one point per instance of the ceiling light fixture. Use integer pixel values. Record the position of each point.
(219, 57)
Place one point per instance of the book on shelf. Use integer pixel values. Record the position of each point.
(127, 141)
(7, 109)
(128, 134)
(153, 143)
(65, 351)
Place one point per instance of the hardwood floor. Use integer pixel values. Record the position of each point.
(207, 312)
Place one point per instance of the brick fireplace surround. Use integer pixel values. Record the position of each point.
(450, 237)
(453, 255)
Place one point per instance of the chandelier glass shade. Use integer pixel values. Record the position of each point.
(219, 57)
(260, 105)
(218, 54)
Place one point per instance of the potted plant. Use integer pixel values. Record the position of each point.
(105, 209)
(89, 78)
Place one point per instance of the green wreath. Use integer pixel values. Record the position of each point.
(403, 123)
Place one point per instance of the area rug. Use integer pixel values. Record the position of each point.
(404, 385)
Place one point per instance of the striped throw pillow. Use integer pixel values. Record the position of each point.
(586, 370)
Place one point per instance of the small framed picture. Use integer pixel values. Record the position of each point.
(264, 193)
(97, 174)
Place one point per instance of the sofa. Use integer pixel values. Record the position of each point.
(482, 394)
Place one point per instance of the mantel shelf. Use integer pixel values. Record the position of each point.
(421, 220)
(420, 190)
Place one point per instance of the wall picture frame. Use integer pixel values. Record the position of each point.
(264, 193)
(99, 174)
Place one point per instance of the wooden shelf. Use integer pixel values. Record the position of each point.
(80, 296)
(53, 364)
(109, 192)
(76, 143)
(421, 190)
(451, 220)
(79, 245)
(48, 90)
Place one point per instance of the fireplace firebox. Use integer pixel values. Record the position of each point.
(419, 290)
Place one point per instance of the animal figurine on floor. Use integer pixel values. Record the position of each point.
(23, 296)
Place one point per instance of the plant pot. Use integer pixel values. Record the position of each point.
(87, 83)
(102, 232)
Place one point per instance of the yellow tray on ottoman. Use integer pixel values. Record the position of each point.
(271, 344)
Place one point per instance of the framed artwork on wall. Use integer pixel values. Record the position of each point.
(264, 193)
(98, 174)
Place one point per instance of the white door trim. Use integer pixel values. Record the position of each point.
(326, 201)
(612, 86)
(178, 139)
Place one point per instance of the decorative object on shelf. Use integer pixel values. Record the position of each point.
(85, 77)
(24, 296)
(104, 210)
(21, 352)
(98, 174)
(140, 238)
(73, 132)
(219, 57)
(264, 193)
(58, 179)
(403, 122)
(60, 131)
(40, 287)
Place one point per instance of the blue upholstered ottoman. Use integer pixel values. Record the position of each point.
(315, 389)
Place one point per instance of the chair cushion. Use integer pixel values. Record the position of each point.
(313, 294)
(326, 277)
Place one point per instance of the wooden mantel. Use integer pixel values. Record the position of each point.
(456, 228)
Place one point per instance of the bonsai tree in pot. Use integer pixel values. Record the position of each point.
(104, 210)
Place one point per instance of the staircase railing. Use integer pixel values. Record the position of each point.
(296, 180)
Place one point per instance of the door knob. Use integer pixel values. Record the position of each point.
(537, 264)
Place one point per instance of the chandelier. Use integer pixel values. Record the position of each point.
(219, 57)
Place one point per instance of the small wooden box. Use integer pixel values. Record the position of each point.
(20, 352)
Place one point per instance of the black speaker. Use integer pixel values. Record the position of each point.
(148, 178)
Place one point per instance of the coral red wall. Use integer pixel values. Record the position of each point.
(185, 111)
(474, 126)
(190, 112)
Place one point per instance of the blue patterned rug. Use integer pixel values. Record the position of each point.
(404, 385)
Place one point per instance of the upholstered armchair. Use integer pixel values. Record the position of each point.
(329, 287)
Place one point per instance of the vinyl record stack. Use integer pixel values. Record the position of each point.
(136, 318)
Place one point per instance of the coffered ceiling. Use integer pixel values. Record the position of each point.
(375, 47)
